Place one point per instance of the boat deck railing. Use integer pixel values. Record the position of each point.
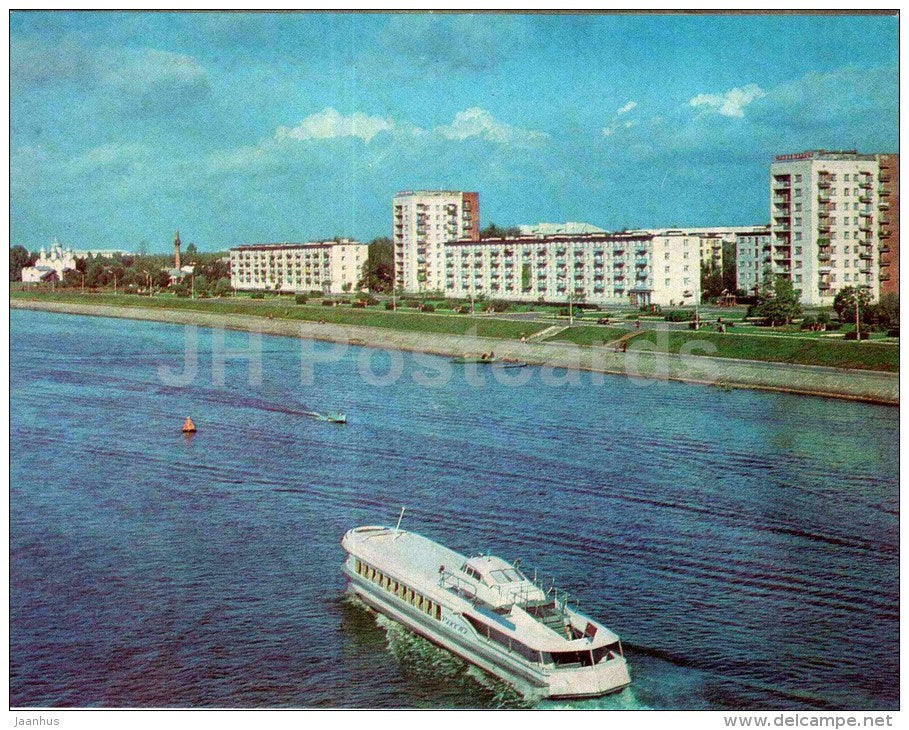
(457, 584)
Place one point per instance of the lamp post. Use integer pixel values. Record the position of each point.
(82, 274)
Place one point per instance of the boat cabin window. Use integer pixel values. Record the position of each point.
(509, 575)
(472, 572)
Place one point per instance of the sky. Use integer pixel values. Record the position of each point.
(247, 128)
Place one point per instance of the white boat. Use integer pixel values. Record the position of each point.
(486, 611)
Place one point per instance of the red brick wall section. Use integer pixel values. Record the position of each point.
(472, 201)
(889, 219)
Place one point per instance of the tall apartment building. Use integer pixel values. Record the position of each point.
(752, 254)
(601, 268)
(825, 218)
(332, 267)
(424, 220)
(889, 222)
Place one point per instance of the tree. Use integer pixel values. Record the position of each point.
(781, 305)
(711, 282)
(844, 303)
(729, 266)
(19, 258)
(494, 231)
(889, 310)
(378, 271)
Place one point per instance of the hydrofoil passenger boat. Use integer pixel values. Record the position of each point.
(485, 610)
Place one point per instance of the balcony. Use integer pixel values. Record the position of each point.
(884, 177)
(883, 205)
(823, 198)
(782, 228)
(824, 182)
(823, 241)
(865, 256)
(864, 198)
(884, 248)
(823, 285)
(884, 276)
(865, 183)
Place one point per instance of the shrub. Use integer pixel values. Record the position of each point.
(359, 305)
(852, 335)
(389, 305)
(414, 305)
(678, 315)
(833, 326)
(301, 299)
(464, 310)
(369, 300)
(809, 322)
(427, 308)
(497, 305)
(893, 332)
(328, 303)
(565, 312)
(257, 295)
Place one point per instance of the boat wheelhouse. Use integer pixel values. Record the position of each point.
(485, 610)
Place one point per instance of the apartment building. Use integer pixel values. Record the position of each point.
(423, 221)
(889, 222)
(332, 267)
(752, 255)
(600, 268)
(826, 213)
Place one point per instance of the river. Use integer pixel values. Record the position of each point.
(743, 544)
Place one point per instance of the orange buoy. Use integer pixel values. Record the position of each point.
(189, 426)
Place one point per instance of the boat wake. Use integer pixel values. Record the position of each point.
(425, 661)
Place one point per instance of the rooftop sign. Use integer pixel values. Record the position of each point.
(810, 154)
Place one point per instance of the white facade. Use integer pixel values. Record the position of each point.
(600, 268)
(823, 208)
(327, 266)
(423, 221)
(50, 264)
(752, 251)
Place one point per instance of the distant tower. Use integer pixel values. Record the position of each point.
(177, 251)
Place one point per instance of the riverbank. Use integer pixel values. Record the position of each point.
(860, 385)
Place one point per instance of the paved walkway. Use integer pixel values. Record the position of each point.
(861, 385)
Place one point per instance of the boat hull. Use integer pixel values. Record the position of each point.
(454, 634)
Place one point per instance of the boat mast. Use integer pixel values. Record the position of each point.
(400, 517)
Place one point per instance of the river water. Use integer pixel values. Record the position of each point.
(744, 545)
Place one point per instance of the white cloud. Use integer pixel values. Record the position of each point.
(731, 103)
(108, 156)
(613, 127)
(627, 108)
(138, 69)
(329, 123)
(479, 123)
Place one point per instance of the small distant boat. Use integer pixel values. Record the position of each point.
(474, 359)
(334, 417)
(189, 426)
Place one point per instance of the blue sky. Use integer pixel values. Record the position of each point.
(241, 128)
